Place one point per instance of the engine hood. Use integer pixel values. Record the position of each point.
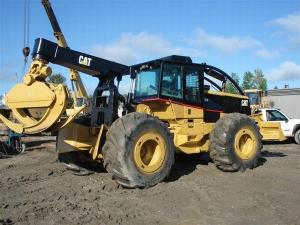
(294, 121)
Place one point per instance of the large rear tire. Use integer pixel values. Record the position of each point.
(138, 151)
(235, 143)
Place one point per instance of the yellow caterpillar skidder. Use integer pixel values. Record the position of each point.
(169, 109)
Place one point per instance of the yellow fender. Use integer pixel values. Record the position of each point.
(270, 131)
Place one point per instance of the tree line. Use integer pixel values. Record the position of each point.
(250, 80)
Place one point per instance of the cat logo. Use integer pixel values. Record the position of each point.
(83, 60)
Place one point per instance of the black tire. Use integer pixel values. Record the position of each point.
(223, 150)
(118, 151)
(297, 137)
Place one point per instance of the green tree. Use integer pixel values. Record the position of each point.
(275, 87)
(56, 78)
(248, 81)
(259, 80)
(230, 87)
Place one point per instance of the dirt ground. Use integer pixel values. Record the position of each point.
(36, 189)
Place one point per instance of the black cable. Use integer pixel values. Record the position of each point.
(26, 49)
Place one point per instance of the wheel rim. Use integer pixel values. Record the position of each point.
(149, 153)
(245, 143)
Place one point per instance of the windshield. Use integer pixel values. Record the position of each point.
(253, 98)
(146, 83)
(274, 115)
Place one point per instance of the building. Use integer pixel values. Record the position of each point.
(287, 100)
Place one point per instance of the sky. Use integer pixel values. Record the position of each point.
(235, 36)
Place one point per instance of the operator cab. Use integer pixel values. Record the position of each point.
(173, 78)
(254, 95)
(178, 80)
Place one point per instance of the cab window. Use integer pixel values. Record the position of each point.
(274, 115)
(171, 85)
(192, 90)
(253, 98)
(146, 83)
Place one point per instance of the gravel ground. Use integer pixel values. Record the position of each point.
(36, 189)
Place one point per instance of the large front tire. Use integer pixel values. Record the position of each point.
(138, 151)
(235, 143)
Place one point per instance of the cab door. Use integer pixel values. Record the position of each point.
(274, 115)
(193, 85)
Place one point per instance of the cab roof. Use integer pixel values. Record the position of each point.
(171, 59)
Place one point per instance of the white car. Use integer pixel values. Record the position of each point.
(290, 127)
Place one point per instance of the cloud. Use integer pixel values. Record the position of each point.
(132, 48)
(266, 54)
(290, 22)
(286, 71)
(226, 45)
(290, 27)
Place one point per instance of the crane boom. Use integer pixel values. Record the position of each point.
(54, 23)
(75, 78)
(79, 61)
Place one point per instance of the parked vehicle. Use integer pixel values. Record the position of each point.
(268, 117)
